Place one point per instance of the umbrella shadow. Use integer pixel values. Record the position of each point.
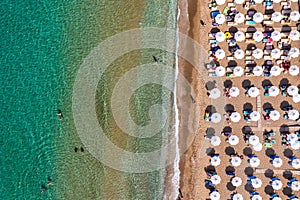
(214, 30)
(246, 83)
(210, 168)
(229, 169)
(248, 106)
(284, 128)
(288, 153)
(249, 171)
(210, 132)
(229, 151)
(269, 173)
(210, 85)
(270, 152)
(286, 29)
(267, 106)
(284, 104)
(229, 108)
(232, 63)
(227, 129)
(210, 151)
(287, 191)
(228, 84)
(287, 174)
(211, 109)
(247, 151)
(246, 129)
(251, 47)
(249, 188)
(269, 190)
(233, 29)
(230, 187)
(251, 29)
(284, 82)
(266, 83)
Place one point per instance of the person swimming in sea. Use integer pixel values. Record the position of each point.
(49, 183)
(43, 189)
(59, 113)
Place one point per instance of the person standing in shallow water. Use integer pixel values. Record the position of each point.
(59, 114)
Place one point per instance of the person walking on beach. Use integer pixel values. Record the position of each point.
(202, 23)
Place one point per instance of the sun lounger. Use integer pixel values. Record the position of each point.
(267, 17)
(248, 57)
(231, 23)
(285, 3)
(268, 22)
(248, 52)
(250, 40)
(267, 57)
(230, 58)
(250, 22)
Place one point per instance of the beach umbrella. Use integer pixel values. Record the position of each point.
(239, 18)
(295, 16)
(220, 36)
(256, 197)
(293, 114)
(294, 35)
(253, 140)
(296, 163)
(215, 179)
(275, 71)
(254, 116)
(292, 137)
(274, 115)
(294, 70)
(258, 36)
(274, 91)
(258, 71)
(276, 35)
(237, 196)
(234, 91)
(256, 183)
(220, 53)
(236, 181)
(214, 195)
(215, 161)
(235, 161)
(215, 93)
(258, 147)
(276, 16)
(276, 184)
(277, 162)
(238, 71)
(257, 53)
(235, 117)
(220, 2)
(258, 1)
(292, 90)
(295, 185)
(275, 53)
(258, 17)
(239, 36)
(253, 92)
(295, 145)
(254, 162)
(216, 117)
(296, 98)
(233, 140)
(239, 54)
(220, 71)
(294, 52)
(220, 19)
(239, 1)
(215, 140)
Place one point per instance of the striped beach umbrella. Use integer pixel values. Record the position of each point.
(216, 117)
(293, 114)
(233, 140)
(258, 147)
(253, 140)
(215, 179)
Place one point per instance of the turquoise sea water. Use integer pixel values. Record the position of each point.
(42, 45)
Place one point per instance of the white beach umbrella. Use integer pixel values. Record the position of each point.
(258, 36)
(258, 147)
(220, 2)
(275, 71)
(239, 1)
(235, 117)
(276, 17)
(253, 92)
(275, 53)
(296, 186)
(294, 52)
(253, 140)
(296, 98)
(274, 91)
(239, 36)
(214, 195)
(293, 114)
(292, 137)
(296, 163)
(220, 19)
(294, 35)
(215, 93)
(256, 197)
(215, 140)
(220, 54)
(292, 90)
(258, 1)
(233, 140)
(256, 183)
(239, 18)
(295, 145)
(215, 179)
(234, 91)
(258, 71)
(238, 71)
(215, 161)
(258, 17)
(220, 71)
(236, 181)
(254, 162)
(255, 116)
(294, 70)
(277, 162)
(237, 197)
(274, 115)
(220, 36)
(216, 117)
(239, 54)
(235, 161)
(257, 53)
(276, 35)
(276, 184)
(295, 16)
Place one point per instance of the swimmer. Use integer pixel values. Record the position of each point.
(59, 113)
